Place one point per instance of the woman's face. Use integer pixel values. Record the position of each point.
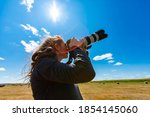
(62, 50)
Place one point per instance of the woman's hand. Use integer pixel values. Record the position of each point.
(75, 43)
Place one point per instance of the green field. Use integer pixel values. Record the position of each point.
(96, 90)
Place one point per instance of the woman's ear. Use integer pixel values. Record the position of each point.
(57, 47)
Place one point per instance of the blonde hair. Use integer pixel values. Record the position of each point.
(46, 49)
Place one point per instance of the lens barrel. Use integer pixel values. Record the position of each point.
(97, 36)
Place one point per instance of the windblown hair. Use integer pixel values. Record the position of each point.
(46, 49)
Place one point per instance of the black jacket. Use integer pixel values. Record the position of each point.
(53, 80)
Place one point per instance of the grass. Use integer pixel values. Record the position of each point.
(116, 90)
(96, 90)
(15, 92)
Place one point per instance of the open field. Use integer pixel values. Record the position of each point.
(97, 90)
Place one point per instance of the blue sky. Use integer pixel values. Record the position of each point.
(124, 54)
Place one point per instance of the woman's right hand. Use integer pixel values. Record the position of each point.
(75, 43)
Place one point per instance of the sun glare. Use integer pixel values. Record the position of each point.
(54, 12)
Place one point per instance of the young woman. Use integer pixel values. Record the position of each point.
(53, 80)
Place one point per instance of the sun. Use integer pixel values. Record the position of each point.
(54, 12)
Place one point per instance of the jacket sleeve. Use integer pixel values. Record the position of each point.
(78, 72)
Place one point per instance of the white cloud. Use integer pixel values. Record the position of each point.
(31, 46)
(2, 58)
(2, 69)
(30, 28)
(109, 58)
(118, 64)
(111, 61)
(28, 4)
(106, 56)
(45, 31)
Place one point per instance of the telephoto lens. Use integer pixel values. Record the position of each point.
(97, 36)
